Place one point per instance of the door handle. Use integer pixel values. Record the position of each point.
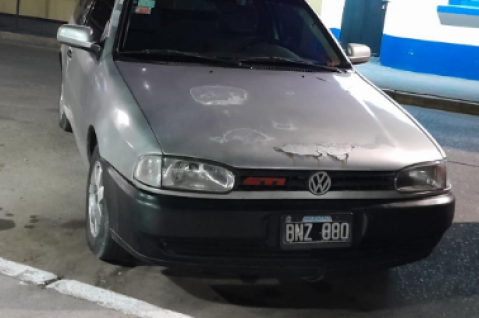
(70, 53)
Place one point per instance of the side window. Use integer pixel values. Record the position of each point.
(81, 11)
(99, 16)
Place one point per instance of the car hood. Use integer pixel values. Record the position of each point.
(276, 119)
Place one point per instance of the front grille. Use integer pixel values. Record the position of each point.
(340, 180)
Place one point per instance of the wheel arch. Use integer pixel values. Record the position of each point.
(92, 141)
(115, 123)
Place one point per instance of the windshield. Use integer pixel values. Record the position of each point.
(233, 29)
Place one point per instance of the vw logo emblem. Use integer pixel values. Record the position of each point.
(319, 183)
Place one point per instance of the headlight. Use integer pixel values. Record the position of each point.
(427, 177)
(148, 171)
(196, 176)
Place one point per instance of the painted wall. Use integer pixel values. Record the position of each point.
(8, 6)
(316, 5)
(332, 15)
(416, 40)
(60, 10)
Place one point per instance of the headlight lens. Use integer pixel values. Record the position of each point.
(428, 177)
(196, 176)
(148, 171)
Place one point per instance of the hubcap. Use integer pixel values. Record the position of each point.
(95, 199)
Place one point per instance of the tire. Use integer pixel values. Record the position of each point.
(98, 236)
(63, 121)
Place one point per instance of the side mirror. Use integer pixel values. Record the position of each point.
(77, 36)
(358, 53)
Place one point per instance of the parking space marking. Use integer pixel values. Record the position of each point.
(25, 273)
(112, 300)
(102, 297)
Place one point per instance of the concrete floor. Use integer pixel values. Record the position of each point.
(42, 185)
(19, 300)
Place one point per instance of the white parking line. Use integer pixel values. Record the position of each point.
(109, 299)
(25, 273)
(76, 289)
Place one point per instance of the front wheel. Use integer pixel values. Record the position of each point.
(98, 219)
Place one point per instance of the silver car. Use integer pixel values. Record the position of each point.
(236, 137)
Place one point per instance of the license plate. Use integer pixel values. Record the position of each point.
(316, 231)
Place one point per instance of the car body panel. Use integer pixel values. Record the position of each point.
(276, 119)
(433, 140)
(80, 71)
(123, 132)
(107, 107)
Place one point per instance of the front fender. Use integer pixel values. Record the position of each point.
(122, 131)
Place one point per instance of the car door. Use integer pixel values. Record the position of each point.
(81, 68)
(70, 63)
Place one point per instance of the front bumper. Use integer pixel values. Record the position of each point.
(241, 237)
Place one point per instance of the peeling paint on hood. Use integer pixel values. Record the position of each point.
(219, 95)
(244, 135)
(338, 152)
(287, 126)
(304, 150)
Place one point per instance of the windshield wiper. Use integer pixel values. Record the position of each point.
(283, 60)
(191, 55)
